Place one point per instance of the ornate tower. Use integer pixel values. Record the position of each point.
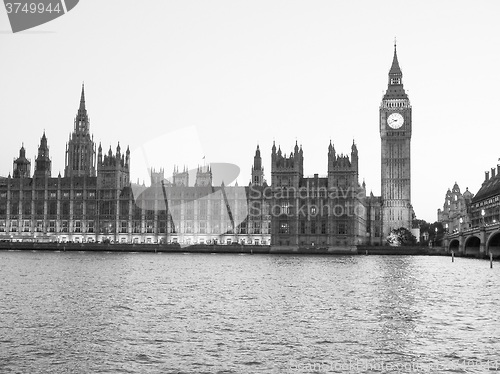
(395, 134)
(287, 171)
(203, 176)
(22, 166)
(257, 169)
(42, 162)
(342, 171)
(157, 176)
(180, 179)
(80, 149)
(113, 170)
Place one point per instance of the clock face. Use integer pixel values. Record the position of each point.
(395, 120)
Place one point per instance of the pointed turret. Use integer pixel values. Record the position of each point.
(82, 98)
(395, 69)
(395, 88)
(257, 170)
(354, 158)
(43, 141)
(43, 162)
(331, 150)
(354, 149)
(22, 166)
(82, 119)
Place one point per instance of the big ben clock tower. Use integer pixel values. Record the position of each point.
(395, 134)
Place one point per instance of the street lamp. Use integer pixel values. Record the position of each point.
(482, 216)
(461, 220)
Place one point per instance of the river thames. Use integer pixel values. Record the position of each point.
(82, 312)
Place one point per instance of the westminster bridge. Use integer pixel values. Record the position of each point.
(475, 241)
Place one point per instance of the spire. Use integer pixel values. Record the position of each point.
(43, 141)
(43, 144)
(82, 99)
(296, 149)
(82, 119)
(42, 162)
(395, 69)
(395, 88)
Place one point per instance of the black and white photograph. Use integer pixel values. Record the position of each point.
(240, 187)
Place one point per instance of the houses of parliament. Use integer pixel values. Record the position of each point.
(95, 201)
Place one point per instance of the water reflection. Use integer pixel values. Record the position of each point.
(106, 312)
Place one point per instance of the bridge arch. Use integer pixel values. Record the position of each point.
(454, 246)
(493, 243)
(472, 246)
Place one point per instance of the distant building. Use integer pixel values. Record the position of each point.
(455, 213)
(96, 201)
(317, 211)
(485, 205)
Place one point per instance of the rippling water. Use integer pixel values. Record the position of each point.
(77, 312)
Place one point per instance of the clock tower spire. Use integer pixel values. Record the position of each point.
(395, 134)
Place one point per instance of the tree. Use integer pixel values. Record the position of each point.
(401, 237)
(435, 231)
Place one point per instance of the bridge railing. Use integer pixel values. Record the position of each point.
(469, 230)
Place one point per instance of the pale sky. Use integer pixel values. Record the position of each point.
(180, 80)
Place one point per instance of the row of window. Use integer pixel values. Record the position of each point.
(40, 195)
(314, 228)
(487, 202)
(110, 207)
(135, 226)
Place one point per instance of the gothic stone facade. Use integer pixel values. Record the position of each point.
(395, 135)
(456, 208)
(95, 200)
(316, 211)
(485, 205)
